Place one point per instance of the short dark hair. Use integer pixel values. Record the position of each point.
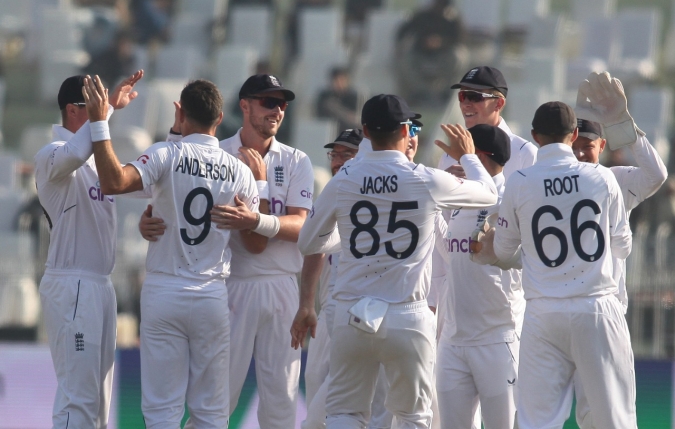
(384, 138)
(339, 71)
(202, 102)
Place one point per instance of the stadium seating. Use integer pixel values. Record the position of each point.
(252, 26)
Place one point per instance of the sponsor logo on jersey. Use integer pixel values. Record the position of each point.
(79, 342)
(96, 194)
(458, 246)
(502, 222)
(306, 194)
(276, 206)
(279, 175)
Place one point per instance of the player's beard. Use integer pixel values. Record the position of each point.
(263, 128)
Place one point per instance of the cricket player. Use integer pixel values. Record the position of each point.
(77, 296)
(478, 348)
(570, 219)
(384, 207)
(184, 306)
(262, 288)
(636, 183)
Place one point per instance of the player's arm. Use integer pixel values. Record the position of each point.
(641, 182)
(305, 318)
(507, 238)
(318, 231)
(620, 236)
(151, 227)
(113, 177)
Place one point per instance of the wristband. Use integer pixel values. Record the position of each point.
(268, 225)
(99, 131)
(263, 189)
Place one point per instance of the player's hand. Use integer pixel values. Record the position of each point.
(457, 171)
(233, 217)
(124, 92)
(601, 98)
(481, 246)
(176, 128)
(95, 99)
(151, 227)
(254, 161)
(305, 320)
(460, 141)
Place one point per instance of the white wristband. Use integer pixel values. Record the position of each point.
(268, 225)
(99, 131)
(263, 189)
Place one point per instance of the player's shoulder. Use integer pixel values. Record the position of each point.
(291, 152)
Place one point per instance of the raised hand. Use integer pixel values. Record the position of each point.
(95, 99)
(460, 141)
(124, 92)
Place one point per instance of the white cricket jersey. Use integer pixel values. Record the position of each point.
(485, 303)
(291, 184)
(328, 277)
(83, 221)
(570, 218)
(523, 153)
(637, 184)
(189, 177)
(385, 208)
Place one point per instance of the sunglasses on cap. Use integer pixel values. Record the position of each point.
(79, 104)
(271, 102)
(474, 96)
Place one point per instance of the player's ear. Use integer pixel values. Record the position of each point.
(366, 132)
(575, 134)
(535, 137)
(603, 142)
(220, 119)
(499, 105)
(243, 105)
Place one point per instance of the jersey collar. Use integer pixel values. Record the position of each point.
(204, 139)
(385, 155)
(504, 127)
(555, 153)
(59, 133)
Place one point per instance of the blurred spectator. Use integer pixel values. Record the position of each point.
(339, 101)
(294, 22)
(433, 54)
(115, 62)
(151, 19)
(101, 35)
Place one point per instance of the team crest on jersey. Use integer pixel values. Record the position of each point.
(79, 342)
(279, 175)
(481, 216)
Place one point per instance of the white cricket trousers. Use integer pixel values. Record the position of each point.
(590, 335)
(185, 347)
(316, 367)
(261, 313)
(469, 376)
(80, 313)
(405, 345)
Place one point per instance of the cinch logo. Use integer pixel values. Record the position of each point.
(502, 222)
(96, 194)
(306, 194)
(460, 246)
(79, 342)
(276, 206)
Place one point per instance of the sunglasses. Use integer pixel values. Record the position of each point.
(414, 130)
(271, 102)
(344, 156)
(474, 96)
(79, 104)
(484, 152)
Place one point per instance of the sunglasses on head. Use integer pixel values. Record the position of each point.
(474, 96)
(271, 102)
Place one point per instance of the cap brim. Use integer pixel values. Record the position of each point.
(417, 122)
(345, 144)
(592, 136)
(288, 94)
(476, 86)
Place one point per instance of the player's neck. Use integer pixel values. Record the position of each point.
(252, 139)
